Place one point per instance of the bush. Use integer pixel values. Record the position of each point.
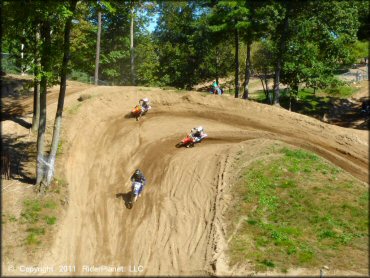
(79, 76)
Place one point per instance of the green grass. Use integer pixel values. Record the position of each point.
(259, 96)
(31, 211)
(50, 204)
(301, 211)
(79, 76)
(50, 220)
(34, 235)
(35, 210)
(341, 91)
(74, 110)
(60, 147)
(58, 184)
(12, 218)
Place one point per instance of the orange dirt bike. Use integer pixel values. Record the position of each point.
(139, 111)
(189, 141)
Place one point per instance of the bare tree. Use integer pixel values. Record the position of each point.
(62, 93)
(132, 53)
(97, 57)
(45, 67)
(237, 67)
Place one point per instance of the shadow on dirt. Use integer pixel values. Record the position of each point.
(126, 198)
(9, 111)
(128, 116)
(14, 88)
(20, 153)
(13, 91)
(15, 119)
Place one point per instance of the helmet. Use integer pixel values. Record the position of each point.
(146, 99)
(138, 172)
(199, 128)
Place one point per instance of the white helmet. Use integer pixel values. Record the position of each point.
(145, 99)
(199, 128)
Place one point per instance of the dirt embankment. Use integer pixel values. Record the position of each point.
(175, 228)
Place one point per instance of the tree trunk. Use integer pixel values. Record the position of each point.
(132, 54)
(277, 82)
(263, 86)
(62, 93)
(45, 66)
(217, 65)
(36, 86)
(279, 61)
(268, 90)
(237, 68)
(36, 105)
(247, 70)
(97, 56)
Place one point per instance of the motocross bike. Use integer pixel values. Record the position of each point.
(137, 111)
(189, 141)
(134, 193)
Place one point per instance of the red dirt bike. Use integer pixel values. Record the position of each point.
(189, 141)
(137, 111)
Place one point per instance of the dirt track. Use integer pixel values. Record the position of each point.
(172, 228)
(175, 227)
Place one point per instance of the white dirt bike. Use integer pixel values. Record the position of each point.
(135, 188)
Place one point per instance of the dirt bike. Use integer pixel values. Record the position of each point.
(137, 111)
(134, 193)
(189, 141)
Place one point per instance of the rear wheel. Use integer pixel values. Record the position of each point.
(179, 145)
(132, 200)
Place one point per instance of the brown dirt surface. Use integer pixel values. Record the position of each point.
(16, 96)
(175, 228)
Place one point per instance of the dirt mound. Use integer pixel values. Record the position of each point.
(175, 227)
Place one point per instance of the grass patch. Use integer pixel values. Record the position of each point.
(341, 91)
(33, 237)
(12, 218)
(50, 220)
(74, 110)
(301, 211)
(33, 212)
(60, 147)
(79, 76)
(259, 96)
